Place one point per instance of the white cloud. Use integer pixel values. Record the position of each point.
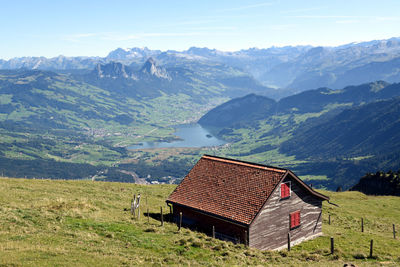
(249, 6)
(127, 37)
(388, 18)
(281, 27)
(302, 10)
(115, 36)
(322, 17)
(78, 37)
(348, 21)
(346, 17)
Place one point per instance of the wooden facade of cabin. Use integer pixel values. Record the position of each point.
(248, 203)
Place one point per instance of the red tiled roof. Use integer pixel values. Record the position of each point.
(231, 189)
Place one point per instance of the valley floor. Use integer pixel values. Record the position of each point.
(84, 223)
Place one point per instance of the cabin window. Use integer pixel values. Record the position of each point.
(294, 219)
(285, 190)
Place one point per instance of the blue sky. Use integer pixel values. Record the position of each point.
(94, 28)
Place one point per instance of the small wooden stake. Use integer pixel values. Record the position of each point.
(162, 217)
(148, 216)
(133, 203)
(329, 220)
(213, 231)
(132, 206)
(138, 213)
(371, 247)
(332, 245)
(288, 241)
(394, 231)
(180, 221)
(362, 225)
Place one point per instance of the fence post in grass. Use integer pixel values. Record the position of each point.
(332, 245)
(394, 231)
(329, 219)
(288, 241)
(180, 221)
(371, 247)
(148, 216)
(362, 225)
(170, 214)
(132, 206)
(162, 217)
(138, 213)
(213, 231)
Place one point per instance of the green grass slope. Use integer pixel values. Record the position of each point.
(83, 223)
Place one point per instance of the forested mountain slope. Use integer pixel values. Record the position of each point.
(369, 129)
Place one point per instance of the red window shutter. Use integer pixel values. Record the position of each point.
(298, 218)
(294, 219)
(285, 190)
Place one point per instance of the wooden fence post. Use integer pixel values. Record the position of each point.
(371, 247)
(288, 241)
(132, 206)
(213, 231)
(138, 213)
(329, 220)
(245, 238)
(162, 217)
(148, 216)
(362, 225)
(180, 221)
(394, 231)
(332, 245)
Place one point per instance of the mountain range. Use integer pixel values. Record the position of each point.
(338, 133)
(200, 80)
(254, 107)
(39, 97)
(289, 69)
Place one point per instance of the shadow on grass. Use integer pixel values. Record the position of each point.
(157, 216)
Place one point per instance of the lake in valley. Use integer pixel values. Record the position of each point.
(192, 135)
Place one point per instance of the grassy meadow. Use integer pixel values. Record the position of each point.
(84, 223)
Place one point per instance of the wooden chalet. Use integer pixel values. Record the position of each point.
(248, 203)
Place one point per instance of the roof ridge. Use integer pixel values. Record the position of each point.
(245, 163)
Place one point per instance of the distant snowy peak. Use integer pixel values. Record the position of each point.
(131, 53)
(150, 68)
(118, 54)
